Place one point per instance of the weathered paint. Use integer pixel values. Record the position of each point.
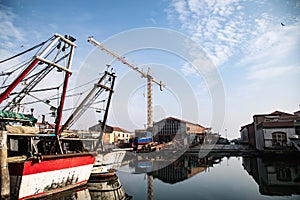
(47, 181)
(33, 178)
(4, 174)
(108, 161)
(264, 136)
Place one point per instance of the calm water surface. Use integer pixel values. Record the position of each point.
(216, 178)
(190, 177)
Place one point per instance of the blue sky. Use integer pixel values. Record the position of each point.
(257, 58)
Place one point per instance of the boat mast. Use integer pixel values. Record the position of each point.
(12, 86)
(103, 123)
(63, 96)
(61, 44)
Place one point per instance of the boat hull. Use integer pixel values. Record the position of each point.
(107, 163)
(49, 174)
(143, 141)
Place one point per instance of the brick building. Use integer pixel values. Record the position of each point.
(272, 131)
(166, 129)
(112, 134)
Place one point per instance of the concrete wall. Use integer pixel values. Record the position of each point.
(122, 135)
(268, 135)
(194, 129)
(264, 136)
(259, 138)
(244, 135)
(251, 134)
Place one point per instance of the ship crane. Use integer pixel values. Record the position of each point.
(147, 75)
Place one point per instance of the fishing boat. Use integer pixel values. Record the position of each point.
(40, 175)
(39, 162)
(106, 164)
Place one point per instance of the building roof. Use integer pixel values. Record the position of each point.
(110, 129)
(297, 113)
(281, 113)
(277, 119)
(116, 128)
(246, 126)
(275, 113)
(180, 120)
(278, 124)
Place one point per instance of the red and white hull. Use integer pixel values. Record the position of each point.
(54, 173)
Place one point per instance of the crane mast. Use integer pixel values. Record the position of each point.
(147, 75)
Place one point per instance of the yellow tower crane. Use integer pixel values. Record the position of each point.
(150, 79)
(147, 75)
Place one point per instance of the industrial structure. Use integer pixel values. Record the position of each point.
(147, 75)
(166, 129)
(150, 79)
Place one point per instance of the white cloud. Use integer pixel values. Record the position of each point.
(226, 29)
(153, 20)
(246, 36)
(212, 24)
(10, 35)
(188, 70)
(271, 73)
(273, 53)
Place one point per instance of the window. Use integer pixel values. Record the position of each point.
(279, 139)
(13, 145)
(284, 174)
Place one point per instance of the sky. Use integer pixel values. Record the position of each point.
(255, 59)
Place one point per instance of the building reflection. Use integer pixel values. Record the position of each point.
(185, 167)
(274, 177)
(181, 169)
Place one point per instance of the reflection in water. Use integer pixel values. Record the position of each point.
(73, 194)
(274, 177)
(108, 188)
(105, 188)
(183, 168)
(191, 177)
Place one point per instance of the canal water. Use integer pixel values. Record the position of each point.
(218, 178)
(207, 178)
